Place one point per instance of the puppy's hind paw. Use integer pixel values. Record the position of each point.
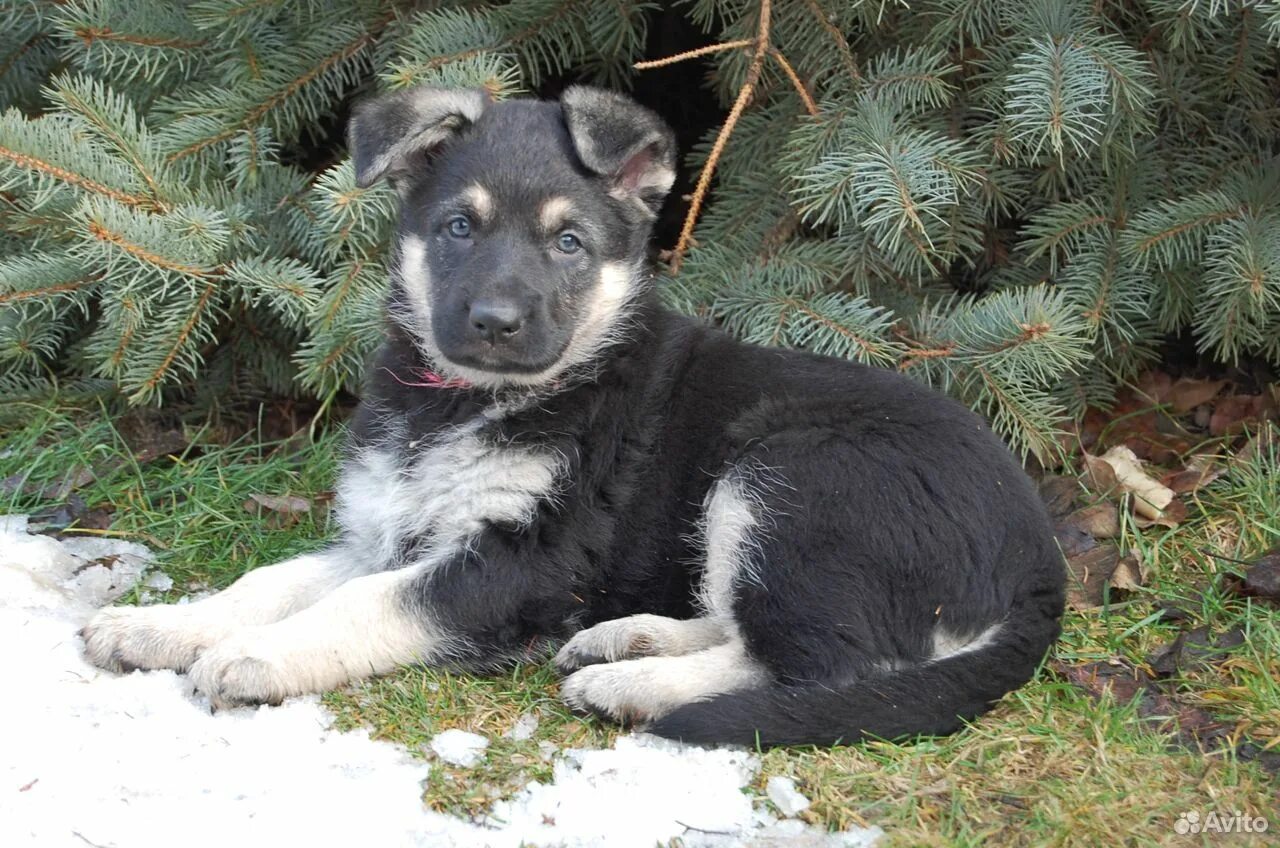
(615, 692)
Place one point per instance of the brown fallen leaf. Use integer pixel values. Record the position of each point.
(1171, 516)
(1087, 576)
(1101, 521)
(1231, 413)
(1099, 475)
(280, 510)
(1201, 470)
(1080, 531)
(1259, 445)
(1262, 578)
(1128, 574)
(1194, 727)
(1116, 677)
(1059, 494)
(284, 504)
(1186, 393)
(1192, 650)
(1150, 498)
(78, 477)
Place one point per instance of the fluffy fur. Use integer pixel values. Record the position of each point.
(729, 543)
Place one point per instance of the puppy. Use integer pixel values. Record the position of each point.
(730, 544)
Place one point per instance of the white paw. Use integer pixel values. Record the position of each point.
(128, 638)
(623, 692)
(636, 636)
(242, 670)
(606, 642)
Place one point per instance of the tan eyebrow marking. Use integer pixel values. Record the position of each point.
(480, 200)
(553, 213)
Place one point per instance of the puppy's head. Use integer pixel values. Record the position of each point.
(523, 225)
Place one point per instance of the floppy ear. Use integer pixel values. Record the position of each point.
(387, 133)
(619, 139)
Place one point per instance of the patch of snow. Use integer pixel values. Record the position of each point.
(459, 748)
(159, 581)
(784, 795)
(523, 729)
(89, 757)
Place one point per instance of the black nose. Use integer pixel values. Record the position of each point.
(495, 321)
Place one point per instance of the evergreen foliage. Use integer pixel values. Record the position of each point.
(1014, 201)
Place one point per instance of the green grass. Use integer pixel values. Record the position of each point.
(1050, 765)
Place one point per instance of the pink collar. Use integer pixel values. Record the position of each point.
(430, 380)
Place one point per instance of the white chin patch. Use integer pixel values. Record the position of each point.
(600, 323)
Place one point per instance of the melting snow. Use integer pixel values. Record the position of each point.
(459, 748)
(92, 758)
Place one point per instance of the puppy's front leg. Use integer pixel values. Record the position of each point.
(366, 627)
(173, 635)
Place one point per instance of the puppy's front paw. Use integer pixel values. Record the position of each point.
(609, 641)
(236, 672)
(128, 638)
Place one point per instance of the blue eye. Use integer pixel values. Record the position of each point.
(568, 243)
(459, 227)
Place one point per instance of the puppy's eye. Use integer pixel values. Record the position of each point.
(459, 227)
(568, 243)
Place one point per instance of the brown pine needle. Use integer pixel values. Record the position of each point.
(693, 54)
(809, 105)
(722, 139)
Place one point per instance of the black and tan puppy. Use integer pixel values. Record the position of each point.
(738, 544)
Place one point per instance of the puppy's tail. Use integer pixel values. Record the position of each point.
(932, 699)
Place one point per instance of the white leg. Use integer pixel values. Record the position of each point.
(173, 635)
(638, 691)
(361, 629)
(641, 635)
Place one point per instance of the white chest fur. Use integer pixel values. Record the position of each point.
(445, 494)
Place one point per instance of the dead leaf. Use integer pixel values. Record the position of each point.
(1099, 474)
(1258, 446)
(1186, 393)
(1101, 521)
(1194, 727)
(1150, 498)
(1171, 516)
(1262, 578)
(1201, 470)
(1232, 412)
(78, 477)
(277, 510)
(1087, 576)
(151, 434)
(1123, 681)
(1128, 574)
(282, 504)
(1059, 494)
(1193, 650)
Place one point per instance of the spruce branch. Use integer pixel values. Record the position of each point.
(181, 340)
(838, 38)
(287, 90)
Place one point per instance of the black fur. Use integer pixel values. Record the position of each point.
(896, 511)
